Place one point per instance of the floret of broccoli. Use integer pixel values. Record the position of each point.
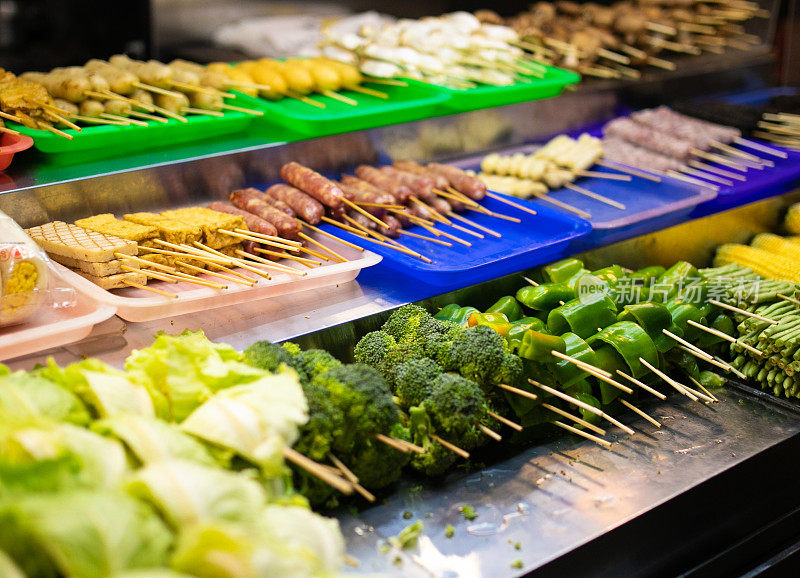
(364, 399)
(476, 353)
(437, 459)
(267, 355)
(405, 322)
(397, 355)
(293, 349)
(315, 362)
(437, 345)
(372, 348)
(414, 380)
(457, 407)
(510, 371)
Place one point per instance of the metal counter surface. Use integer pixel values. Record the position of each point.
(553, 498)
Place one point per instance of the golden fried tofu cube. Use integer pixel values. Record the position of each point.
(210, 222)
(170, 230)
(108, 224)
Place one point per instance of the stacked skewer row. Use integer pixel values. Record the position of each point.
(124, 92)
(616, 41)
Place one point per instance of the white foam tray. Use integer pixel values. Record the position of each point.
(140, 305)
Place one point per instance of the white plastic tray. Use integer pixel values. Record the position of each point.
(49, 327)
(139, 305)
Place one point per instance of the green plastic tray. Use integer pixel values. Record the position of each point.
(404, 104)
(487, 96)
(116, 140)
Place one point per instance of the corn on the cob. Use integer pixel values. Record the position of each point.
(793, 219)
(766, 264)
(777, 245)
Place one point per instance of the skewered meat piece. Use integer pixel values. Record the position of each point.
(629, 130)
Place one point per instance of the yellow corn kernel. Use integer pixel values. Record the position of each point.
(793, 219)
(776, 244)
(762, 262)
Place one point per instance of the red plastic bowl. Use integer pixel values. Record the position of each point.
(10, 144)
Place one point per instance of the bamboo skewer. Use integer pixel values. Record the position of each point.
(575, 418)
(424, 238)
(369, 91)
(367, 214)
(490, 432)
(697, 351)
(634, 172)
(61, 119)
(708, 177)
(339, 97)
(790, 299)
(518, 391)
(504, 421)
(452, 447)
(530, 281)
(448, 235)
(600, 441)
(547, 199)
(760, 147)
(270, 237)
(371, 240)
(123, 119)
(267, 264)
(474, 224)
(509, 202)
(262, 239)
(183, 254)
(599, 175)
(94, 120)
(53, 129)
(9, 131)
(396, 444)
(151, 289)
(583, 405)
(721, 172)
(574, 361)
(150, 88)
(238, 262)
(678, 386)
(725, 336)
(594, 196)
(174, 277)
(742, 312)
(336, 255)
(169, 113)
(218, 275)
(303, 260)
(703, 389)
(468, 231)
(317, 470)
(638, 411)
(644, 386)
(11, 117)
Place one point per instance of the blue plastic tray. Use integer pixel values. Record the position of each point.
(537, 240)
(772, 181)
(648, 205)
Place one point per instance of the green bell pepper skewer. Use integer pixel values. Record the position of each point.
(673, 279)
(631, 342)
(447, 312)
(562, 270)
(682, 312)
(463, 314)
(611, 274)
(545, 296)
(567, 373)
(497, 321)
(721, 323)
(653, 318)
(518, 328)
(583, 316)
(538, 346)
(508, 306)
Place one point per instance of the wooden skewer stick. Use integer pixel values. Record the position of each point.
(95, 120)
(170, 114)
(738, 153)
(530, 281)
(346, 472)
(599, 175)
(790, 299)
(280, 240)
(261, 239)
(383, 206)
(594, 196)
(317, 470)
(697, 351)
(11, 117)
(575, 418)
(547, 199)
(10, 131)
(452, 447)
(367, 214)
(424, 238)
(505, 421)
(581, 364)
(708, 177)
(231, 272)
(463, 219)
(340, 97)
(386, 81)
(742, 312)
(225, 106)
(63, 120)
(217, 275)
(389, 441)
(760, 147)
(509, 202)
(600, 441)
(437, 215)
(369, 91)
(371, 240)
(719, 159)
(678, 386)
(644, 386)
(184, 255)
(151, 289)
(303, 260)
(304, 99)
(456, 196)
(692, 180)
(267, 264)
(490, 432)
(123, 119)
(152, 264)
(54, 130)
(201, 111)
(703, 389)
(725, 336)
(717, 171)
(194, 280)
(467, 231)
(336, 256)
(448, 235)
(175, 277)
(583, 405)
(182, 250)
(623, 169)
(150, 88)
(638, 411)
(152, 117)
(237, 262)
(151, 273)
(518, 391)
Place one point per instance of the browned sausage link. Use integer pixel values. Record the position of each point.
(376, 178)
(249, 247)
(419, 211)
(305, 206)
(440, 205)
(253, 222)
(252, 200)
(313, 183)
(439, 181)
(422, 186)
(394, 226)
(365, 188)
(473, 187)
(280, 205)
